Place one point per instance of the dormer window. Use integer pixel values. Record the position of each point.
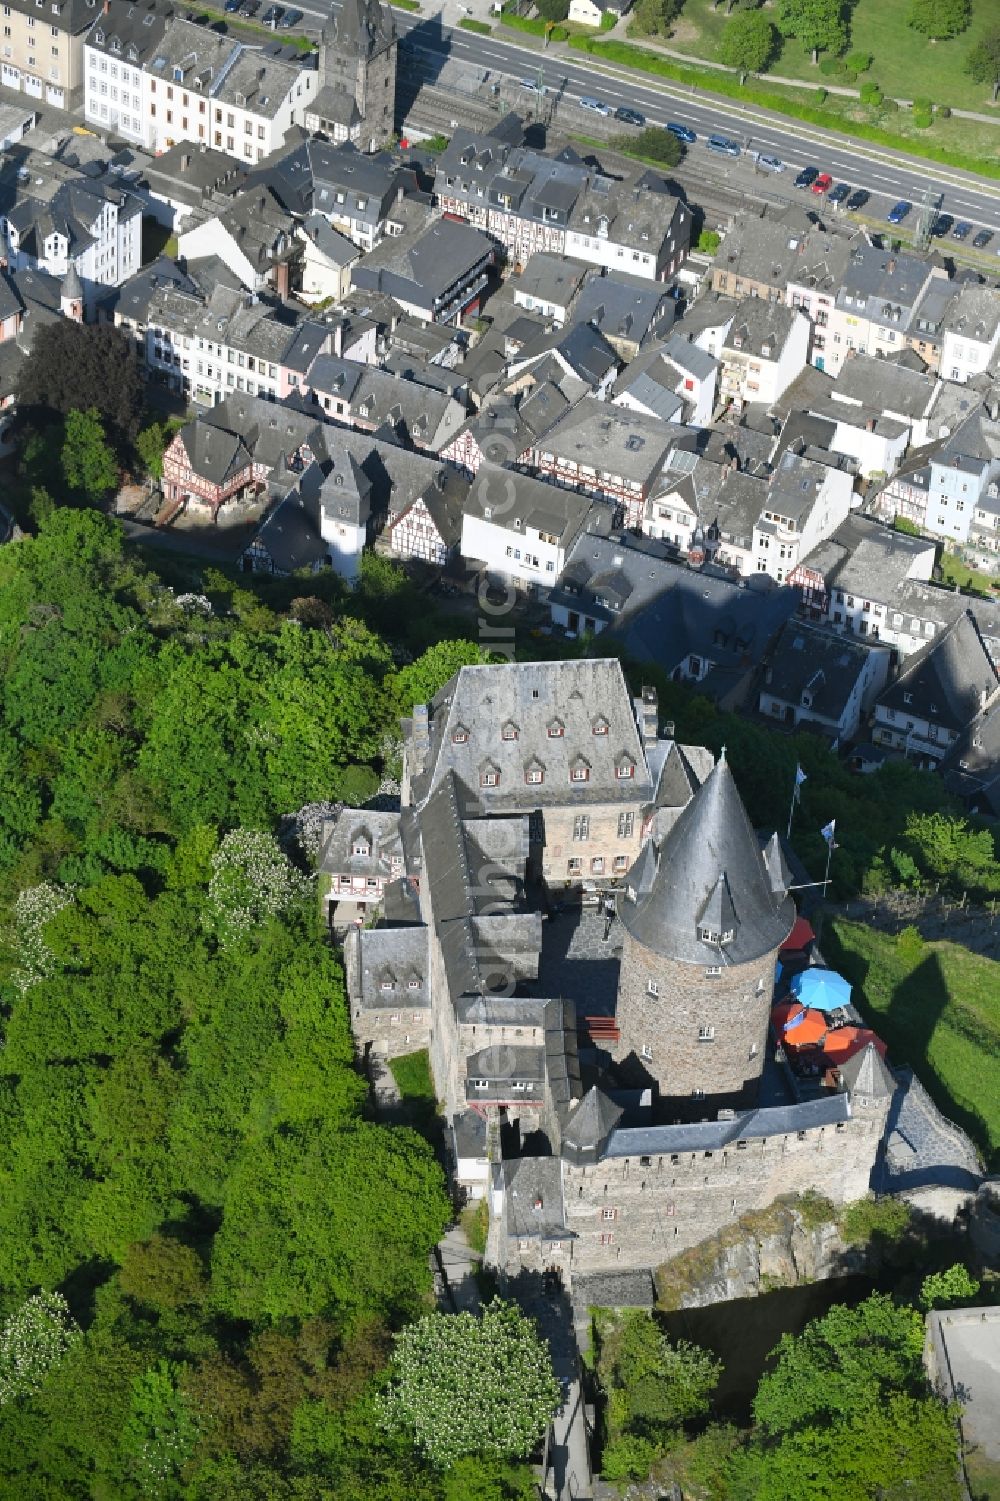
(625, 769)
(490, 775)
(600, 725)
(460, 735)
(387, 985)
(413, 984)
(510, 731)
(579, 770)
(711, 935)
(534, 773)
(361, 845)
(556, 729)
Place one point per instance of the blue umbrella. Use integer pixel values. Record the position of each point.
(823, 989)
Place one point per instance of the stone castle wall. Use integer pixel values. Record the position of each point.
(633, 1213)
(601, 844)
(733, 1006)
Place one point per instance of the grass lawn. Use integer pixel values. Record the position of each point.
(938, 1008)
(412, 1073)
(954, 571)
(906, 64)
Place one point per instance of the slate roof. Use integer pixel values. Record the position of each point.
(337, 248)
(622, 308)
(708, 1136)
(866, 559)
(340, 834)
(533, 1198)
(758, 324)
(138, 27)
(948, 681)
(882, 386)
(587, 1129)
(883, 284)
(516, 502)
(711, 852)
(535, 697)
(550, 278)
(809, 660)
(975, 313)
(866, 1074)
(397, 957)
(612, 440)
(779, 251)
(424, 268)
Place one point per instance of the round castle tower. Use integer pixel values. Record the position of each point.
(702, 935)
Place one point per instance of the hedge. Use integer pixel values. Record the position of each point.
(719, 83)
(468, 24)
(524, 23)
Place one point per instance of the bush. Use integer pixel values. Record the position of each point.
(609, 21)
(923, 113)
(830, 67)
(871, 95)
(628, 1458)
(822, 95)
(480, 27)
(943, 112)
(869, 1219)
(709, 241)
(858, 62)
(558, 34)
(476, 1224)
(946, 1289)
(815, 1209)
(552, 10)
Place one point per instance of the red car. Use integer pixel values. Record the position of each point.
(823, 183)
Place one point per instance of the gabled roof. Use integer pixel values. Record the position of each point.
(590, 1123)
(710, 858)
(948, 681)
(867, 1074)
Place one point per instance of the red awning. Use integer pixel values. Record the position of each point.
(801, 935)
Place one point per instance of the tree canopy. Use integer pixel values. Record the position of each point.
(73, 367)
(748, 41)
(940, 19)
(818, 24)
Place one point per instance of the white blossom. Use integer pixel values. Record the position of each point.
(33, 1340)
(251, 881)
(33, 909)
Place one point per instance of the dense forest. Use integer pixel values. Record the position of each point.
(187, 1153)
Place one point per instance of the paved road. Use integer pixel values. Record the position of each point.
(878, 170)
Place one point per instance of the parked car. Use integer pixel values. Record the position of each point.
(806, 177)
(899, 211)
(232, 6)
(724, 145)
(839, 193)
(858, 199)
(942, 224)
(683, 132)
(823, 183)
(250, 7)
(630, 116)
(597, 105)
(532, 86)
(292, 17)
(272, 15)
(962, 230)
(770, 164)
(982, 239)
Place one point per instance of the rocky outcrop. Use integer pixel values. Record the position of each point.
(795, 1240)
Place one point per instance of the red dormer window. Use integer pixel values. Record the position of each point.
(460, 735)
(600, 726)
(579, 771)
(534, 774)
(510, 731)
(489, 776)
(556, 729)
(625, 770)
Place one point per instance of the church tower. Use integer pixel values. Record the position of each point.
(71, 296)
(700, 944)
(357, 64)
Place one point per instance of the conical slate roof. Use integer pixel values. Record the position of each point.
(777, 866)
(711, 860)
(642, 872)
(592, 1122)
(867, 1074)
(72, 287)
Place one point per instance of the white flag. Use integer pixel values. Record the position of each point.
(800, 776)
(828, 831)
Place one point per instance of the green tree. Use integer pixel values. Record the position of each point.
(983, 61)
(654, 17)
(87, 460)
(748, 42)
(948, 1288)
(151, 443)
(163, 1273)
(552, 10)
(939, 19)
(659, 145)
(463, 1385)
(818, 24)
(160, 1432)
(841, 1365)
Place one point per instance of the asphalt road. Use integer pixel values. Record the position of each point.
(964, 195)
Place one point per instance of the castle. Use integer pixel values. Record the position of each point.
(578, 921)
(357, 84)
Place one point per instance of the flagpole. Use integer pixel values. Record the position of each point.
(829, 856)
(791, 806)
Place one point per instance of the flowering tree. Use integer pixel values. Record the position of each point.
(33, 909)
(251, 881)
(161, 1430)
(471, 1386)
(33, 1340)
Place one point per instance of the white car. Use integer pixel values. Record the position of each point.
(770, 164)
(532, 87)
(597, 105)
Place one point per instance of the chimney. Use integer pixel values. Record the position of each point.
(186, 162)
(669, 729)
(106, 7)
(420, 735)
(338, 338)
(870, 425)
(648, 707)
(890, 264)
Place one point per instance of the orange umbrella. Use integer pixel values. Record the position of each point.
(783, 1013)
(805, 1033)
(844, 1042)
